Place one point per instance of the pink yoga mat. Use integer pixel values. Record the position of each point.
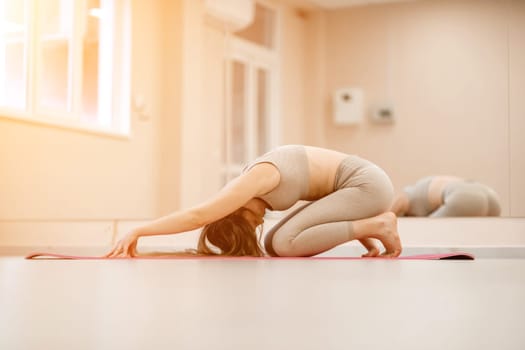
(444, 256)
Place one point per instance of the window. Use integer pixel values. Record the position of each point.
(251, 127)
(66, 62)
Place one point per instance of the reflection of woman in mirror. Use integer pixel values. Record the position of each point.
(442, 196)
(348, 198)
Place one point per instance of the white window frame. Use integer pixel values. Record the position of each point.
(114, 112)
(253, 57)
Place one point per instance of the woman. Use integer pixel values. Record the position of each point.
(348, 198)
(442, 196)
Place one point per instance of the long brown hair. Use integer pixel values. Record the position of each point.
(232, 235)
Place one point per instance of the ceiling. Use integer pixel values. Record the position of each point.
(333, 4)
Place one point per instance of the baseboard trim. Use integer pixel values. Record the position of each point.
(414, 232)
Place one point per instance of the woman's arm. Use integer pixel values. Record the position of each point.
(259, 180)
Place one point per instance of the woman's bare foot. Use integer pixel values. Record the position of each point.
(371, 247)
(382, 227)
(388, 235)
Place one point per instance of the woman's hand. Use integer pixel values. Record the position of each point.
(126, 247)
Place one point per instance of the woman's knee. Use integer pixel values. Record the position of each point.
(283, 247)
(268, 244)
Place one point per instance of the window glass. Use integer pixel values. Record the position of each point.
(13, 53)
(90, 61)
(55, 27)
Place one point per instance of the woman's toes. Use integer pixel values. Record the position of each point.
(370, 254)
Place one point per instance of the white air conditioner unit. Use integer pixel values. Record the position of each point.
(234, 14)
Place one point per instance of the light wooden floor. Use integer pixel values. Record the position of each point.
(266, 304)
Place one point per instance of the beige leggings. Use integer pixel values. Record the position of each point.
(362, 190)
(460, 198)
(466, 198)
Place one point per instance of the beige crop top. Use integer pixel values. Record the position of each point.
(292, 163)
